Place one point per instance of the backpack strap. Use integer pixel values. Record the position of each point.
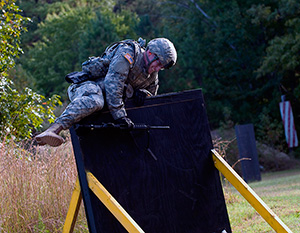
(112, 48)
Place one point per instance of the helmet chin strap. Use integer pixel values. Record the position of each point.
(148, 60)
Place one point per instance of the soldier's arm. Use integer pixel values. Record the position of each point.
(115, 80)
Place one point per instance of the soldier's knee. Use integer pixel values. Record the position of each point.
(93, 102)
(99, 102)
(84, 89)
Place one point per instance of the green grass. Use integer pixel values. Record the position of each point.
(36, 188)
(279, 190)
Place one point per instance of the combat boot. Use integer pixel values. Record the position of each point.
(50, 136)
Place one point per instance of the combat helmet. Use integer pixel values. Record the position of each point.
(164, 50)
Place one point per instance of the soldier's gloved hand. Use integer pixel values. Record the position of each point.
(139, 97)
(125, 122)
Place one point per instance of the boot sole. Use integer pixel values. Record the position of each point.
(50, 140)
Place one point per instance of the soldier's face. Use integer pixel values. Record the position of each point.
(155, 65)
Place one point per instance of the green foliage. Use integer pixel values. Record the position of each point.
(281, 62)
(70, 35)
(270, 131)
(21, 113)
(218, 50)
(243, 54)
(223, 46)
(104, 29)
(11, 26)
(283, 50)
(56, 53)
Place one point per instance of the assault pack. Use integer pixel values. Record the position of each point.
(97, 67)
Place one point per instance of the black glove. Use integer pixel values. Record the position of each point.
(125, 122)
(139, 97)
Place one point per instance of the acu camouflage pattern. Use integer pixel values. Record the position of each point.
(86, 98)
(96, 66)
(89, 96)
(164, 49)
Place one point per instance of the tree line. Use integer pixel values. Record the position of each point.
(243, 54)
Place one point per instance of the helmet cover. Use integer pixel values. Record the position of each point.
(165, 51)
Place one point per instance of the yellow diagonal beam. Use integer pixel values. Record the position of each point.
(73, 209)
(112, 205)
(246, 191)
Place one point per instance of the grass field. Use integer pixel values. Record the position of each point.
(36, 188)
(279, 190)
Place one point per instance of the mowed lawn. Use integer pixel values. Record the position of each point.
(279, 190)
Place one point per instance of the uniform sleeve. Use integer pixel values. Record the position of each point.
(115, 80)
(153, 87)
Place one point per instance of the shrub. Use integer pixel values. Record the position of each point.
(21, 113)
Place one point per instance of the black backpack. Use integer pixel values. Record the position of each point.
(97, 67)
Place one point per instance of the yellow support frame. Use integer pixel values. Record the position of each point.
(112, 205)
(246, 191)
(131, 226)
(106, 198)
(73, 209)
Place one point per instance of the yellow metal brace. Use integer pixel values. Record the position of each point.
(131, 226)
(112, 205)
(106, 198)
(257, 203)
(73, 209)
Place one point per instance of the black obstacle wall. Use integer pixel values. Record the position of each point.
(175, 187)
(247, 151)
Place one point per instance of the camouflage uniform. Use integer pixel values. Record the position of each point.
(126, 68)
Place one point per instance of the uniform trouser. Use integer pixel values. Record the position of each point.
(86, 98)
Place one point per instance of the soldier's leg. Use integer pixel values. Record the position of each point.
(86, 98)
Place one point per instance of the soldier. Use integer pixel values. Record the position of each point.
(125, 66)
